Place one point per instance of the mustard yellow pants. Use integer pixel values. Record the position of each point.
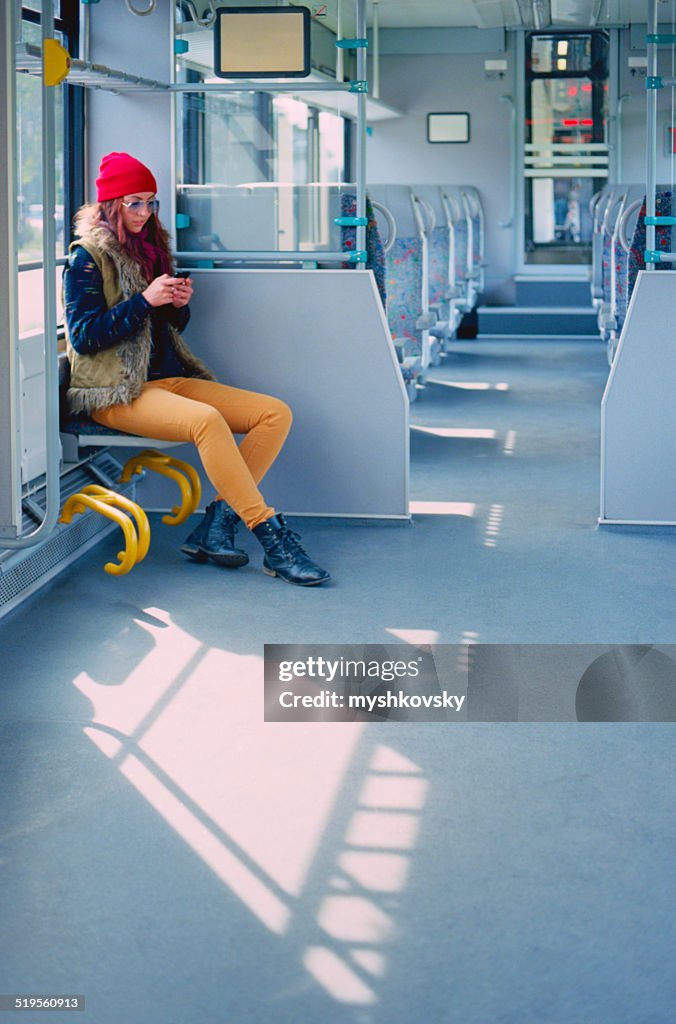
(208, 414)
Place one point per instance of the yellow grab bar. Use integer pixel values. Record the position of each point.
(166, 465)
(77, 503)
(129, 506)
(184, 467)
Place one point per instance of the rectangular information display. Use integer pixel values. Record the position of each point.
(262, 42)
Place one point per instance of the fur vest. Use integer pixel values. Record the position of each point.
(115, 376)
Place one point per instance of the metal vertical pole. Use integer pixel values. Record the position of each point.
(375, 64)
(53, 445)
(10, 506)
(651, 130)
(52, 442)
(340, 64)
(361, 129)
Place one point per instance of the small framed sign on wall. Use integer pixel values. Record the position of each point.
(448, 127)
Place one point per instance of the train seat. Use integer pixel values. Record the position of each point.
(375, 255)
(597, 207)
(463, 207)
(441, 265)
(612, 216)
(404, 273)
(90, 434)
(631, 255)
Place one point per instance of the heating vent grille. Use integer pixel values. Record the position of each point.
(22, 572)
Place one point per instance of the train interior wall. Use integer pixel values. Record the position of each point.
(458, 81)
(173, 857)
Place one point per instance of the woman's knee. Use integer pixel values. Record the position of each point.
(210, 421)
(279, 413)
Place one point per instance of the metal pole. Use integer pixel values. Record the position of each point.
(651, 131)
(340, 67)
(246, 85)
(376, 50)
(52, 442)
(361, 129)
(10, 506)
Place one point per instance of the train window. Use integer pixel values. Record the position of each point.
(332, 156)
(561, 53)
(249, 173)
(69, 171)
(256, 171)
(236, 138)
(29, 153)
(566, 143)
(248, 168)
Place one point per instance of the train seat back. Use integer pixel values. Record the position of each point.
(635, 258)
(375, 254)
(403, 267)
(457, 210)
(441, 273)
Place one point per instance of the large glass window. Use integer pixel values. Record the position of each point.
(259, 171)
(293, 147)
(68, 165)
(331, 147)
(255, 173)
(566, 150)
(29, 160)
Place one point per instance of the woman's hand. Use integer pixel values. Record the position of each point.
(160, 292)
(182, 291)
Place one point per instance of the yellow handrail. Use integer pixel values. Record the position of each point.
(184, 467)
(77, 503)
(166, 465)
(127, 505)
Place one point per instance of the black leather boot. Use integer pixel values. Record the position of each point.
(284, 557)
(214, 538)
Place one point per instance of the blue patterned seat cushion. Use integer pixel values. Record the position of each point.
(628, 267)
(375, 256)
(461, 250)
(439, 256)
(81, 424)
(404, 279)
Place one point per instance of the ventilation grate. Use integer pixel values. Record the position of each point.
(23, 572)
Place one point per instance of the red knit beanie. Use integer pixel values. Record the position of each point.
(123, 175)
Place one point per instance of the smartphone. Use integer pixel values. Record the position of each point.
(181, 273)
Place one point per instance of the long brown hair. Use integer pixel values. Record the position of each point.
(150, 247)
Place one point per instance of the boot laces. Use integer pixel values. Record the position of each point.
(290, 543)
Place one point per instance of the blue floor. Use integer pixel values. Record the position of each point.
(173, 858)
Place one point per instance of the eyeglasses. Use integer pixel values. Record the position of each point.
(139, 205)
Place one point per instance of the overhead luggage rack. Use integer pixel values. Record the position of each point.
(82, 72)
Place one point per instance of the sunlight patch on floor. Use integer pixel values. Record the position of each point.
(184, 725)
(493, 525)
(464, 432)
(442, 508)
(357, 914)
(417, 637)
(471, 385)
(510, 441)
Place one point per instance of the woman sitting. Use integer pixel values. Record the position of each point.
(132, 371)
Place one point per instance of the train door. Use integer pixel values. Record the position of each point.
(565, 152)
